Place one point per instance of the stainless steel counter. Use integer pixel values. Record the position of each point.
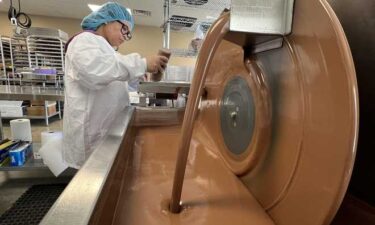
(164, 87)
(76, 204)
(10, 92)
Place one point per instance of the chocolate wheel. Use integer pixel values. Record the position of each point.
(285, 121)
(273, 142)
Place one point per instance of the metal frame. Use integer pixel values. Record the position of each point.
(8, 92)
(53, 51)
(2, 57)
(20, 54)
(74, 208)
(179, 52)
(215, 6)
(272, 17)
(167, 26)
(212, 5)
(4, 60)
(164, 87)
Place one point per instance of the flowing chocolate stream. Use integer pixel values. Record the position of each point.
(212, 41)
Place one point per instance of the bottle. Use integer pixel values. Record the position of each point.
(157, 76)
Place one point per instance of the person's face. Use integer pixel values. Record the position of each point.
(116, 33)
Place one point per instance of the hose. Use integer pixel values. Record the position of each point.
(23, 20)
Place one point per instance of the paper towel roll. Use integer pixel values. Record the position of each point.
(51, 153)
(49, 135)
(21, 129)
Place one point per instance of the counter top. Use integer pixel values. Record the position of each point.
(74, 207)
(13, 92)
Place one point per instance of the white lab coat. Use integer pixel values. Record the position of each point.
(96, 91)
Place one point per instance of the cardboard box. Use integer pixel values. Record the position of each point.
(40, 102)
(11, 108)
(39, 110)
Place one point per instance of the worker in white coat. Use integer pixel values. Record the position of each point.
(96, 78)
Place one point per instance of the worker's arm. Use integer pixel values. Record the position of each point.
(96, 64)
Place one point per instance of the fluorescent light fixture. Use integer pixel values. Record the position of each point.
(93, 7)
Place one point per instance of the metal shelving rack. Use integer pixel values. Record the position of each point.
(45, 51)
(15, 92)
(6, 57)
(19, 51)
(180, 52)
(213, 5)
(38, 62)
(38, 57)
(30, 164)
(185, 23)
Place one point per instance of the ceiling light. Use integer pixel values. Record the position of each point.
(93, 7)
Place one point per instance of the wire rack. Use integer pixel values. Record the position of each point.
(178, 52)
(45, 51)
(212, 5)
(183, 24)
(6, 58)
(19, 52)
(36, 60)
(186, 23)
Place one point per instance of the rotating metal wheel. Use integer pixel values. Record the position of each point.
(286, 120)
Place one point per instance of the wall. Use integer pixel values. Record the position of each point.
(146, 40)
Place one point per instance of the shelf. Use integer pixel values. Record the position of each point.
(57, 81)
(165, 87)
(188, 24)
(181, 21)
(11, 92)
(212, 5)
(205, 24)
(43, 41)
(32, 45)
(176, 52)
(31, 163)
(31, 117)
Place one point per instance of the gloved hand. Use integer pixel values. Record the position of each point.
(156, 63)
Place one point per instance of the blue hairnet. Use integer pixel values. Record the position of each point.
(108, 12)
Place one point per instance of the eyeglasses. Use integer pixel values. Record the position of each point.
(125, 31)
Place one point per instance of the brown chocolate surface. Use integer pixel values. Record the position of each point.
(212, 194)
(212, 41)
(301, 171)
(307, 161)
(357, 19)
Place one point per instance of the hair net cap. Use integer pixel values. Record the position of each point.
(110, 11)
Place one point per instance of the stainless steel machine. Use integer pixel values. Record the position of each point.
(166, 93)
